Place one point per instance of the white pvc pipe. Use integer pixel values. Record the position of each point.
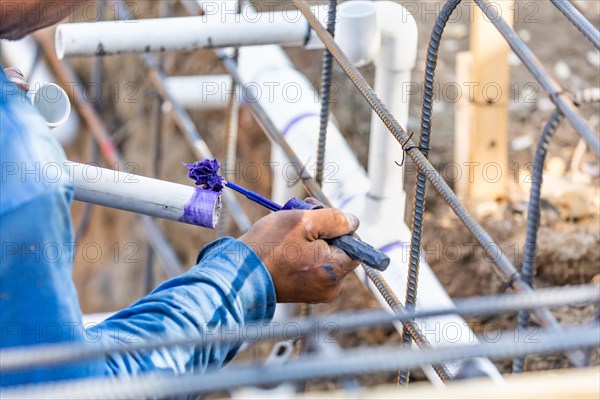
(357, 32)
(142, 195)
(226, 29)
(394, 64)
(203, 92)
(22, 54)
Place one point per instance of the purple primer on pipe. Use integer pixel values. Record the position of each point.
(202, 209)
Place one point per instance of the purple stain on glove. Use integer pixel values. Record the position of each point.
(206, 174)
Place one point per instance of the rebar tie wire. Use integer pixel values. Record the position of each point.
(421, 183)
(482, 237)
(325, 95)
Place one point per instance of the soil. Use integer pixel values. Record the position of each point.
(569, 236)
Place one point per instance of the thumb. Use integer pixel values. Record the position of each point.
(328, 223)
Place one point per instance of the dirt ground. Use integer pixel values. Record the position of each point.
(569, 239)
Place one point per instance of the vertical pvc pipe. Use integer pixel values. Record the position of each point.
(394, 64)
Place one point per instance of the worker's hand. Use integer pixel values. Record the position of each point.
(304, 268)
(17, 77)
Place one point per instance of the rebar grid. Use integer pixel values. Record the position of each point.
(483, 238)
(349, 363)
(315, 190)
(426, 171)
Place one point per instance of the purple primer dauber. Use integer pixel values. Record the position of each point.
(206, 175)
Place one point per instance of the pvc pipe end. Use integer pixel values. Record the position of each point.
(52, 102)
(358, 34)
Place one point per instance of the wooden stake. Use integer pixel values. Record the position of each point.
(481, 146)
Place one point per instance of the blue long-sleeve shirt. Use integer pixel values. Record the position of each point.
(227, 288)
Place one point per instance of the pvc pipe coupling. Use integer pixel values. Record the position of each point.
(357, 33)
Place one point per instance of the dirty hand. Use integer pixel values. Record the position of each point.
(304, 268)
(17, 77)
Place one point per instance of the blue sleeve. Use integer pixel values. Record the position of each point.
(38, 300)
(228, 288)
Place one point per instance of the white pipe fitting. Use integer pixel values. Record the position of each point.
(356, 31)
(51, 102)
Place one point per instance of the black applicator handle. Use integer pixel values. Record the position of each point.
(354, 247)
(361, 251)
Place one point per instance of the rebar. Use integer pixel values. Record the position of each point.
(350, 363)
(421, 184)
(52, 354)
(409, 327)
(533, 213)
(533, 220)
(325, 95)
(483, 238)
(584, 26)
(558, 96)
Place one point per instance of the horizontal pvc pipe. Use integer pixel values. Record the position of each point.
(203, 92)
(286, 28)
(142, 195)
